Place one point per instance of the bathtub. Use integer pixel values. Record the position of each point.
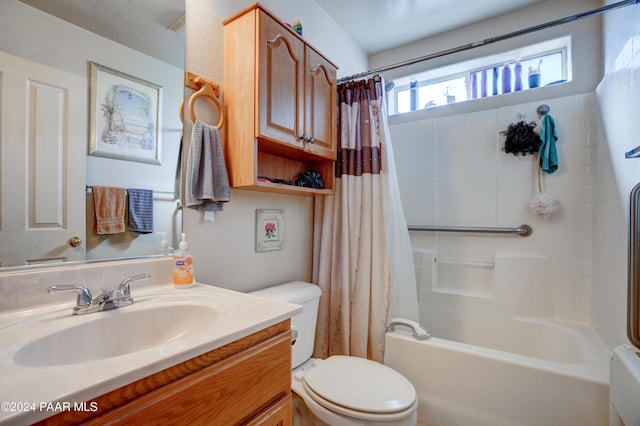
(516, 371)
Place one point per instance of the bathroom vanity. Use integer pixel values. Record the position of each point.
(203, 355)
(245, 382)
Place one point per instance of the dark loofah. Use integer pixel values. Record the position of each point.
(310, 179)
(521, 139)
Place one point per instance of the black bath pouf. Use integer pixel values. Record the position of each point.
(521, 139)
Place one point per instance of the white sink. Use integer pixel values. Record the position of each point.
(113, 333)
(156, 324)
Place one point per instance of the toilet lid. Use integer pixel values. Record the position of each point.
(361, 385)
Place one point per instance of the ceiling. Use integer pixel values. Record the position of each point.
(379, 25)
(376, 25)
(139, 24)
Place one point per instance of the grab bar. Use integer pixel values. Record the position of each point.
(633, 269)
(523, 230)
(489, 265)
(419, 332)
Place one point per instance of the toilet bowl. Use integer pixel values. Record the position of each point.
(339, 390)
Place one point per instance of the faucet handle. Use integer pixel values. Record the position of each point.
(84, 295)
(123, 290)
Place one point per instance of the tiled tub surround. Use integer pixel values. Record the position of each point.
(452, 171)
(26, 315)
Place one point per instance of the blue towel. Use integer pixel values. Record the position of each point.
(548, 153)
(140, 210)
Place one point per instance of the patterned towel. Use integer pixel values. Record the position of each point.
(140, 210)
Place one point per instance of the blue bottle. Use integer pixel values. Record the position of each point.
(413, 95)
(518, 72)
(483, 83)
(506, 79)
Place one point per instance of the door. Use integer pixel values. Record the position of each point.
(43, 136)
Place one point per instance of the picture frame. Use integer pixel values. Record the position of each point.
(125, 116)
(269, 230)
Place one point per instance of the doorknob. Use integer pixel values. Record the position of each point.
(74, 241)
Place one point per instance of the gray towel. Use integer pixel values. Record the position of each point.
(207, 182)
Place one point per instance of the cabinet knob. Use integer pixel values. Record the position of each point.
(311, 140)
(304, 137)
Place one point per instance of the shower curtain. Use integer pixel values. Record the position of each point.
(363, 261)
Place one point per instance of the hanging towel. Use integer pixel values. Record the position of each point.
(177, 186)
(140, 210)
(207, 182)
(109, 209)
(548, 153)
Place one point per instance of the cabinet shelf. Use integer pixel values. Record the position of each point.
(288, 189)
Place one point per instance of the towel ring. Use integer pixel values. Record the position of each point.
(206, 90)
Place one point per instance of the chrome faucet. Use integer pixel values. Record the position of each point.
(108, 299)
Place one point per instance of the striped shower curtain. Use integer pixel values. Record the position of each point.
(352, 231)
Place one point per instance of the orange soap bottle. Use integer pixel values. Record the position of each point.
(183, 266)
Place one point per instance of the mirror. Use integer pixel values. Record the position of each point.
(47, 170)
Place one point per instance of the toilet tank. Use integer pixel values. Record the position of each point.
(307, 295)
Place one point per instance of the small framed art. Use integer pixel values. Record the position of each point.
(269, 230)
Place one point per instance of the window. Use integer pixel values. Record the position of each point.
(527, 68)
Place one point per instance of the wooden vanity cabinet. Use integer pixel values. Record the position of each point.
(247, 382)
(280, 99)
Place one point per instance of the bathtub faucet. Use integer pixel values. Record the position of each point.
(419, 332)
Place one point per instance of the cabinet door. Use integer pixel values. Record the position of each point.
(279, 414)
(230, 392)
(281, 83)
(320, 122)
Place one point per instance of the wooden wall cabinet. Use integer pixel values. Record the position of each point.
(247, 382)
(280, 98)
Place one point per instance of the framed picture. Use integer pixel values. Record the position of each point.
(125, 116)
(269, 230)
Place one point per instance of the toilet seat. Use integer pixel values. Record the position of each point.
(359, 388)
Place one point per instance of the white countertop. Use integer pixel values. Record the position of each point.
(29, 393)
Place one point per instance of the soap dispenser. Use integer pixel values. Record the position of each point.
(183, 266)
(164, 245)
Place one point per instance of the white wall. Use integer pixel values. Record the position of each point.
(32, 34)
(224, 251)
(619, 98)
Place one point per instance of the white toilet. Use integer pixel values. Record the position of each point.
(340, 390)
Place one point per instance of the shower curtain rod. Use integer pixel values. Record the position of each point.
(491, 40)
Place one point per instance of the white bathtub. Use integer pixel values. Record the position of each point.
(520, 371)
